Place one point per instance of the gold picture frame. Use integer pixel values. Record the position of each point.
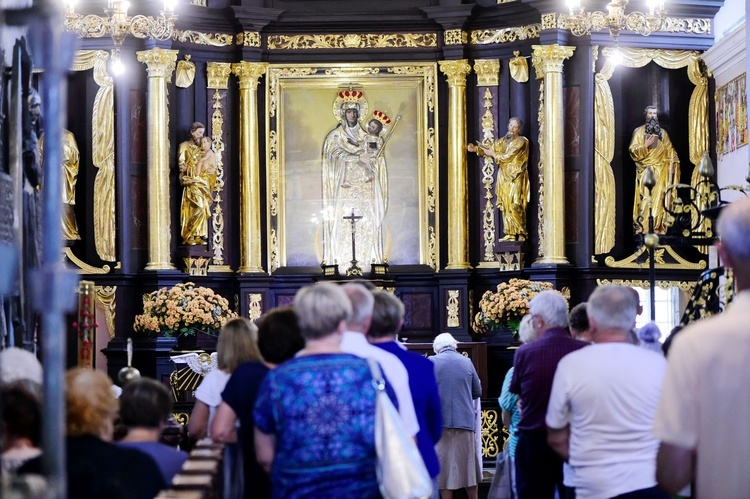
(301, 112)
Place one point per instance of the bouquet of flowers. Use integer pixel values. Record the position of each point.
(505, 307)
(182, 310)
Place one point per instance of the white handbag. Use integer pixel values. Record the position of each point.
(400, 469)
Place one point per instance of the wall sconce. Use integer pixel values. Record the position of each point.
(580, 22)
(118, 25)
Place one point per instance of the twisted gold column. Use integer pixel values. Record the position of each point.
(548, 60)
(159, 63)
(250, 249)
(458, 212)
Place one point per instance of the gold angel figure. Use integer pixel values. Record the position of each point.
(511, 154)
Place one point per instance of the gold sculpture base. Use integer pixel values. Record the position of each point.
(509, 254)
(196, 259)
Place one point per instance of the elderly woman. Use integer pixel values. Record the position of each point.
(315, 414)
(96, 467)
(458, 385)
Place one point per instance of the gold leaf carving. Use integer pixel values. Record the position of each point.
(254, 308)
(455, 37)
(351, 71)
(352, 41)
(249, 39)
(505, 35)
(488, 72)
(452, 308)
(199, 38)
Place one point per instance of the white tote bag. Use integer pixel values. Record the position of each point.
(400, 469)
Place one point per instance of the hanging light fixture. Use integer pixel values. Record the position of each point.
(118, 25)
(580, 22)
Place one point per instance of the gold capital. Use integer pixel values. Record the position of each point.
(249, 73)
(218, 75)
(488, 72)
(549, 58)
(159, 62)
(456, 71)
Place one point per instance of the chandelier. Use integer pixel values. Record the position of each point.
(118, 25)
(580, 22)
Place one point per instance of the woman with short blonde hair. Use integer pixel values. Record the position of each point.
(238, 343)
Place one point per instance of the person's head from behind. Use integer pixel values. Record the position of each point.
(21, 366)
(444, 341)
(362, 301)
(637, 298)
(578, 322)
(321, 309)
(611, 310)
(22, 416)
(548, 310)
(90, 405)
(387, 316)
(145, 403)
(279, 337)
(238, 343)
(733, 227)
(526, 333)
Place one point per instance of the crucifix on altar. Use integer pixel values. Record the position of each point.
(353, 268)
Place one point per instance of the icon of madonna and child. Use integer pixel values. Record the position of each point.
(355, 182)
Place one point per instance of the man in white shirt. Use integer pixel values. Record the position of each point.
(355, 342)
(704, 407)
(602, 404)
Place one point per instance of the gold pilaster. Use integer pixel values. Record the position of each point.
(160, 64)
(458, 214)
(218, 79)
(250, 250)
(548, 61)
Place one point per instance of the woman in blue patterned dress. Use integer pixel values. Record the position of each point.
(315, 414)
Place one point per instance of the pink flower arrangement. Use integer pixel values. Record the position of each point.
(183, 309)
(505, 307)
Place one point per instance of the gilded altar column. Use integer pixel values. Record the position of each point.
(250, 250)
(159, 63)
(458, 208)
(548, 61)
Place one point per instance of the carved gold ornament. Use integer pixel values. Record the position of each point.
(455, 37)
(505, 35)
(106, 298)
(352, 41)
(488, 72)
(452, 308)
(519, 68)
(200, 38)
(185, 72)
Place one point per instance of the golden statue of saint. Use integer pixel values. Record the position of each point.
(197, 164)
(69, 177)
(511, 153)
(355, 180)
(650, 146)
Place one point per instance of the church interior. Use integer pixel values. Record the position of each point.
(435, 148)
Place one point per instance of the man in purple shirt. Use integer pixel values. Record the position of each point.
(538, 467)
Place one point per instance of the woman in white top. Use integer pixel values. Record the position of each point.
(238, 343)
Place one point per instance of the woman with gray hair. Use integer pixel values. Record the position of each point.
(315, 414)
(458, 384)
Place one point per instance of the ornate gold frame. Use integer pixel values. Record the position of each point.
(604, 128)
(323, 82)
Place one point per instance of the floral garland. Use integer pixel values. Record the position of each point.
(182, 310)
(505, 307)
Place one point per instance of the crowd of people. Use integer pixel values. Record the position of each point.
(592, 409)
